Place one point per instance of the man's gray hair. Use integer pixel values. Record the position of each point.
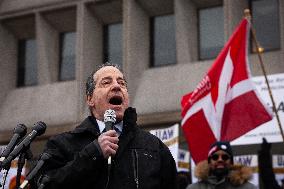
(91, 83)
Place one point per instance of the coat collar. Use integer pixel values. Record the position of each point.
(90, 124)
(238, 175)
(128, 132)
(214, 181)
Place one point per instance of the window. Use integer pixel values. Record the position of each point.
(27, 63)
(211, 32)
(67, 56)
(113, 43)
(265, 19)
(163, 40)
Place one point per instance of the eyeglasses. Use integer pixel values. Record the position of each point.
(224, 157)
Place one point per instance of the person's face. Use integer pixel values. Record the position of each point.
(220, 160)
(110, 93)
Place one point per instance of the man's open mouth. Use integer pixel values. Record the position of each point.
(116, 100)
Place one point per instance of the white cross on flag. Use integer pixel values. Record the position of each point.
(225, 104)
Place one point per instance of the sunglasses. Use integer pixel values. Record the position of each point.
(224, 157)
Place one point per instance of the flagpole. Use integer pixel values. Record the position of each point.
(259, 50)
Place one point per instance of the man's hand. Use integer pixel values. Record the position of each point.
(108, 142)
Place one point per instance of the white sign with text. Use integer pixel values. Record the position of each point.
(169, 136)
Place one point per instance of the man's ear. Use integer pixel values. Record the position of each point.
(90, 100)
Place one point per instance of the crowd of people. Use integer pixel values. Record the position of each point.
(127, 157)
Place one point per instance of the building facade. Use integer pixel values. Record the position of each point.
(49, 47)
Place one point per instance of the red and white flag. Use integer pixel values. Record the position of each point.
(225, 104)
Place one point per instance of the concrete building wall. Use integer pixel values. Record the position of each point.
(155, 92)
(8, 69)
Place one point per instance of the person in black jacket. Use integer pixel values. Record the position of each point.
(266, 173)
(79, 158)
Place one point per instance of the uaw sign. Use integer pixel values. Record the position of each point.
(278, 167)
(249, 161)
(270, 130)
(183, 160)
(169, 136)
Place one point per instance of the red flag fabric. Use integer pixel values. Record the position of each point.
(225, 104)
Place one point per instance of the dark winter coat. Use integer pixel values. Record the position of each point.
(142, 160)
(237, 178)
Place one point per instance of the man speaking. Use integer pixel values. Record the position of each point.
(124, 157)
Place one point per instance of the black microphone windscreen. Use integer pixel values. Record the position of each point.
(20, 129)
(39, 127)
(45, 156)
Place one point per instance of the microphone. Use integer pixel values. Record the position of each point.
(38, 129)
(109, 120)
(44, 180)
(19, 132)
(32, 174)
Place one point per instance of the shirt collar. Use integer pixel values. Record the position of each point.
(101, 125)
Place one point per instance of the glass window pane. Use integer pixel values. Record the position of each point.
(27, 63)
(211, 32)
(113, 44)
(265, 18)
(163, 40)
(67, 56)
